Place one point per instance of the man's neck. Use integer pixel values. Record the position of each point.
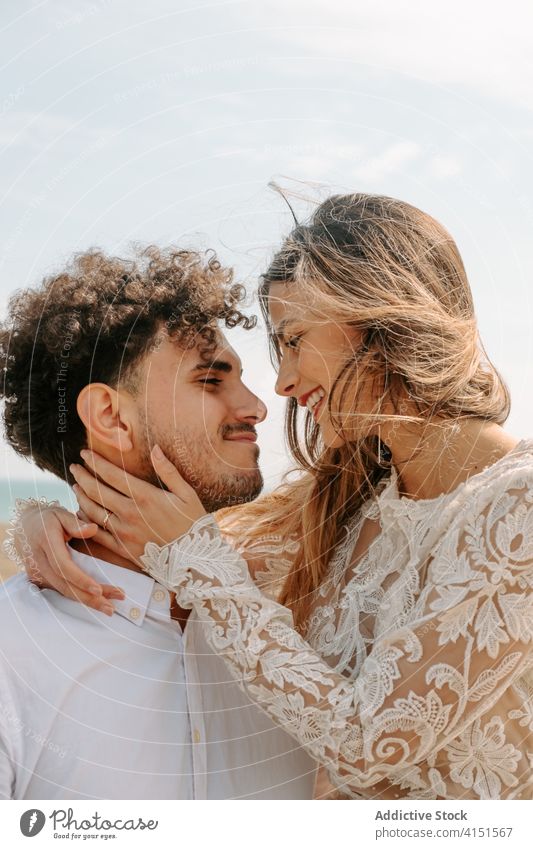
(94, 549)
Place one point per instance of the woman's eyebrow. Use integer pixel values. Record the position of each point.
(279, 332)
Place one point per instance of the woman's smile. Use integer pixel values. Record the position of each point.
(312, 399)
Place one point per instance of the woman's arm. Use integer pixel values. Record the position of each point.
(138, 512)
(37, 542)
(420, 685)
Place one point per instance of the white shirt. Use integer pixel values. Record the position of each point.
(128, 707)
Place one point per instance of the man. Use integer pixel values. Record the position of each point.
(118, 356)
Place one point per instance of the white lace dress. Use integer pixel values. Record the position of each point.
(415, 678)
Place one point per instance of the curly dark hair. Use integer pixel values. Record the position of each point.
(94, 322)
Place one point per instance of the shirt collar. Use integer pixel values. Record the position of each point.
(138, 587)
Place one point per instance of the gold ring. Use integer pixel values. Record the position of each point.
(106, 519)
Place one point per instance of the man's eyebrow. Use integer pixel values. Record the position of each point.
(215, 365)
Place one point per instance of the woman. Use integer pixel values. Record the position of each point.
(395, 642)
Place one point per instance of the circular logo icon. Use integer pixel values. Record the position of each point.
(32, 822)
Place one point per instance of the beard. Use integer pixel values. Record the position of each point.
(195, 459)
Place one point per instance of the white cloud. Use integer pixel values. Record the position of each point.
(390, 161)
(479, 44)
(442, 167)
(35, 130)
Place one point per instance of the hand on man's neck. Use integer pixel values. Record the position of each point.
(94, 549)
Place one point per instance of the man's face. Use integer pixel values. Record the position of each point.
(203, 417)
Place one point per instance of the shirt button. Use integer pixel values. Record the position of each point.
(135, 613)
(158, 595)
(196, 736)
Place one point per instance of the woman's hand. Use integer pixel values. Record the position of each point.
(131, 512)
(41, 544)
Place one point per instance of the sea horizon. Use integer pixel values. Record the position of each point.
(13, 488)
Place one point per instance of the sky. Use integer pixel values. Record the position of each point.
(123, 121)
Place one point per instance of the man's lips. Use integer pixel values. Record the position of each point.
(242, 437)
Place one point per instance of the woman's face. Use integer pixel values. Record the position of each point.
(314, 349)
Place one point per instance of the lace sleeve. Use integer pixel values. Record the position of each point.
(269, 557)
(16, 545)
(420, 686)
(269, 560)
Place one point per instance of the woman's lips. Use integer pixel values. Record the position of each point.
(318, 407)
(302, 400)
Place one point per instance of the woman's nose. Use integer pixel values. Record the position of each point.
(286, 381)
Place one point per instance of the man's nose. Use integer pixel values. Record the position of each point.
(254, 412)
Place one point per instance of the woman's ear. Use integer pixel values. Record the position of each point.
(369, 335)
(107, 416)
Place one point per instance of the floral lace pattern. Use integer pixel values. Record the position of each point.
(15, 532)
(416, 676)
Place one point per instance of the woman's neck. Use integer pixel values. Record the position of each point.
(436, 457)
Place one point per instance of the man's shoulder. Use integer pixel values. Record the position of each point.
(21, 605)
(17, 589)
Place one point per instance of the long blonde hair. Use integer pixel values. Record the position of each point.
(395, 273)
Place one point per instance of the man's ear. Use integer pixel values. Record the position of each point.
(107, 416)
